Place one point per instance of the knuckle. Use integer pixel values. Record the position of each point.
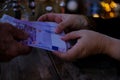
(61, 26)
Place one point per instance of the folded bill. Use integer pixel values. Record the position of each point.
(41, 34)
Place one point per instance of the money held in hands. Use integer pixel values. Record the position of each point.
(41, 34)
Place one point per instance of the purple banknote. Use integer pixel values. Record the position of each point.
(42, 34)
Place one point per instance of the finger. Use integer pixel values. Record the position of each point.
(16, 49)
(64, 56)
(18, 34)
(58, 19)
(47, 17)
(74, 52)
(22, 49)
(50, 17)
(13, 49)
(71, 35)
(6, 26)
(59, 54)
(62, 26)
(70, 55)
(43, 17)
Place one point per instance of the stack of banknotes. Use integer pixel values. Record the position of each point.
(41, 34)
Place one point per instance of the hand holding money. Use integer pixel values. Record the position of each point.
(41, 34)
(9, 45)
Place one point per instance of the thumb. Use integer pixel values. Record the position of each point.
(71, 35)
(62, 26)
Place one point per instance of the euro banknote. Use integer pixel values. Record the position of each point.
(41, 34)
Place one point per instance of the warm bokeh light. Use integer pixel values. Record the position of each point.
(109, 8)
(112, 14)
(96, 15)
(106, 6)
(113, 4)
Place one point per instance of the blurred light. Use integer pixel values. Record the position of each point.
(107, 8)
(62, 4)
(112, 14)
(113, 5)
(102, 4)
(96, 15)
(49, 8)
(72, 5)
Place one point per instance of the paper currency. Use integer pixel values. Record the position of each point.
(42, 34)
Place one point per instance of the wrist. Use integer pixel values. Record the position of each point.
(113, 48)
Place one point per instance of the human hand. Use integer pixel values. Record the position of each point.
(67, 22)
(9, 45)
(88, 43)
